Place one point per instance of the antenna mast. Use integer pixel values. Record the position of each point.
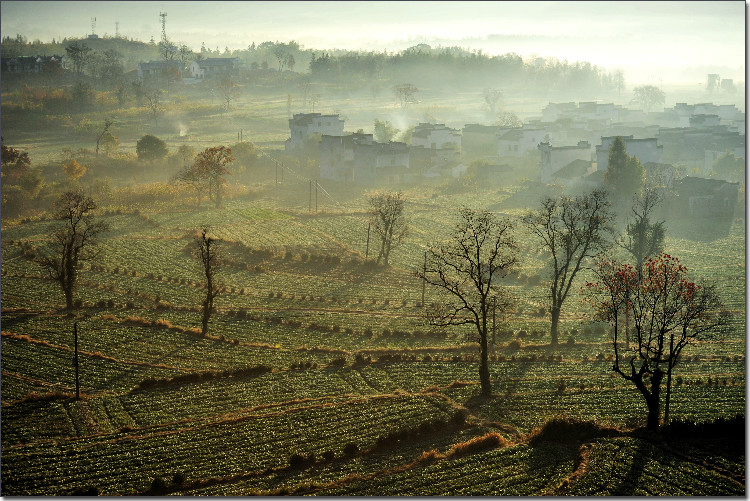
(93, 26)
(117, 29)
(163, 16)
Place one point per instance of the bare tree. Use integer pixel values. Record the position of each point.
(492, 97)
(668, 313)
(305, 85)
(388, 221)
(466, 269)
(643, 238)
(209, 259)
(107, 124)
(571, 231)
(211, 165)
(73, 237)
(153, 103)
(229, 90)
(405, 93)
(648, 96)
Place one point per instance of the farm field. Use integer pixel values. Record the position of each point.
(320, 375)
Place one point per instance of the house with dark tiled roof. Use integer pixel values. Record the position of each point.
(31, 64)
(158, 69)
(555, 158)
(704, 198)
(435, 136)
(646, 149)
(305, 126)
(213, 67)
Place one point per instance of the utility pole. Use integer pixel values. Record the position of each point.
(277, 172)
(75, 360)
(310, 204)
(367, 249)
(240, 135)
(424, 275)
(316, 196)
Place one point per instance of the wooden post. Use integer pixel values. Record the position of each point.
(367, 249)
(282, 172)
(75, 360)
(424, 275)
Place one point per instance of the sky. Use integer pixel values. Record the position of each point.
(650, 40)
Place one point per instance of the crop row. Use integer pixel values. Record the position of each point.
(121, 463)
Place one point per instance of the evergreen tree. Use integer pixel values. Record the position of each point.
(624, 175)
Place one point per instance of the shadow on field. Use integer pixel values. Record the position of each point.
(628, 483)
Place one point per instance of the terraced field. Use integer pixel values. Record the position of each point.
(320, 374)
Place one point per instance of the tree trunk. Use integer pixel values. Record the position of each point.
(206, 316)
(555, 325)
(68, 290)
(484, 370)
(652, 401)
(666, 398)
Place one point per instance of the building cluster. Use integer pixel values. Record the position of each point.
(573, 141)
(213, 67)
(31, 64)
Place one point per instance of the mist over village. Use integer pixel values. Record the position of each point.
(370, 248)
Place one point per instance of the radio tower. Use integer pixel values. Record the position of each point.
(163, 16)
(117, 29)
(93, 26)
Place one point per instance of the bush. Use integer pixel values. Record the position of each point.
(563, 430)
(297, 461)
(458, 418)
(351, 449)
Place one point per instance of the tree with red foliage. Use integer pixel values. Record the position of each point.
(668, 312)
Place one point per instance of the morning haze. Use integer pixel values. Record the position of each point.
(373, 248)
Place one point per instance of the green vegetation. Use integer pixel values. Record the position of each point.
(319, 372)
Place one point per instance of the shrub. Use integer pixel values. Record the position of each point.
(351, 449)
(563, 430)
(458, 418)
(297, 461)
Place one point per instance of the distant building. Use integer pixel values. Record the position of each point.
(336, 155)
(480, 141)
(647, 150)
(31, 64)
(698, 197)
(214, 67)
(518, 142)
(381, 163)
(435, 136)
(558, 157)
(305, 126)
(158, 69)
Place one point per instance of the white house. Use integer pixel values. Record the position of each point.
(435, 136)
(557, 157)
(647, 150)
(336, 155)
(213, 66)
(304, 126)
(518, 142)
